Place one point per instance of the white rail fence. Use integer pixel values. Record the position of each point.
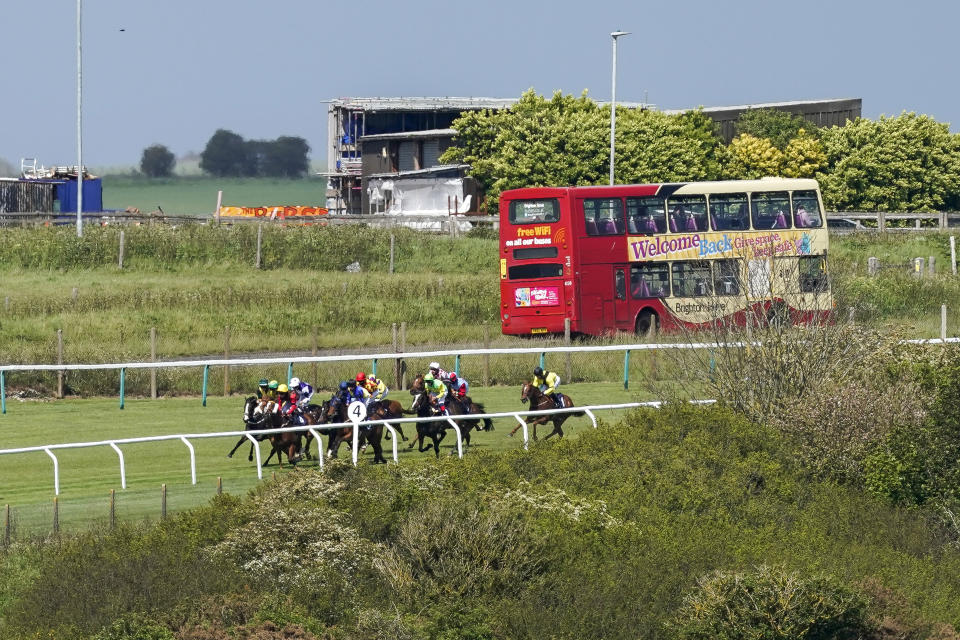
(6, 369)
(314, 430)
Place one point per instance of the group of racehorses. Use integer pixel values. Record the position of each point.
(295, 444)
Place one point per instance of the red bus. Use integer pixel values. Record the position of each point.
(643, 257)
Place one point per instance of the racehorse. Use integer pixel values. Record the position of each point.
(333, 412)
(435, 430)
(252, 421)
(387, 410)
(540, 401)
(456, 406)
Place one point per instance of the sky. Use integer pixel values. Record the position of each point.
(174, 71)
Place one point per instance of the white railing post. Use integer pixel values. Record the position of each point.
(356, 442)
(393, 439)
(456, 428)
(526, 438)
(256, 447)
(320, 452)
(123, 467)
(56, 472)
(193, 460)
(593, 418)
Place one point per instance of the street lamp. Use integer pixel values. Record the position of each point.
(79, 123)
(613, 98)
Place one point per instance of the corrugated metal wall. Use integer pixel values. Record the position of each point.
(26, 196)
(431, 152)
(408, 151)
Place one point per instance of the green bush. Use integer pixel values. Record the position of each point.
(771, 603)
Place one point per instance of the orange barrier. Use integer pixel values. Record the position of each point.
(272, 212)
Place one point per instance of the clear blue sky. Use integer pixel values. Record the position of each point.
(181, 69)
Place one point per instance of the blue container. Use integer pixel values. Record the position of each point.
(92, 196)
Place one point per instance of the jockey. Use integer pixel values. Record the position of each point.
(436, 391)
(288, 405)
(458, 386)
(439, 373)
(263, 389)
(355, 393)
(376, 388)
(547, 382)
(303, 390)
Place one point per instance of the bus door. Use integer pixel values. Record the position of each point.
(621, 307)
(758, 278)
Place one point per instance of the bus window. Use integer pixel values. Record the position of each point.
(619, 285)
(813, 274)
(603, 216)
(529, 271)
(687, 213)
(534, 211)
(726, 277)
(650, 280)
(691, 279)
(770, 210)
(728, 211)
(646, 216)
(806, 210)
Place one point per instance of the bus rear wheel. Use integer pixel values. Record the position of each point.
(647, 324)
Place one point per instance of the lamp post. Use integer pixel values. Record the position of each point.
(79, 123)
(613, 98)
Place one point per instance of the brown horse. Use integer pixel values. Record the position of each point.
(387, 410)
(457, 408)
(540, 401)
(333, 412)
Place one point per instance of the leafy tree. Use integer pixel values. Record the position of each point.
(565, 141)
(803, 156)
(779, 127)
(285, 157)
(227, 154)
(749, 157)
(157, 161)
(905, 163)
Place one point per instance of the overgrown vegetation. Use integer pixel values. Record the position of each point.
(618, 534)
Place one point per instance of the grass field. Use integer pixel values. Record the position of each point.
(198, 195)
(88, 475)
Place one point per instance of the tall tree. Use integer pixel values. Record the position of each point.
(227, 154)
(157, 161)
(905, 163)
(285, 157)
(779, 127)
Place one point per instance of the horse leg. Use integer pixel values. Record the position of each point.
(377, 449)
(236, 446)
(272, 451)
(400, 431)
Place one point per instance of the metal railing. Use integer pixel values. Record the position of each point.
(314, 430)
(375, 358)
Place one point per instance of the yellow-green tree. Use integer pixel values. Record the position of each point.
(803, 156)
(748, 157)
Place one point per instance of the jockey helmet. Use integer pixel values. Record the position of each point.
(538, 372)
(294, 382)
(434, 365)
(283, 388)
(274, 384)
(361, 377)
(344, 386)
(351, 383)
(453, 376)
(428, 377)
(263, 382)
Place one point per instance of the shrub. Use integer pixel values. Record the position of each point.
(771, 603)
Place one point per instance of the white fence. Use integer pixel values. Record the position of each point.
(5, 370)
(185, 438)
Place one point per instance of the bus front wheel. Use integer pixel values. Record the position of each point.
(647, 324)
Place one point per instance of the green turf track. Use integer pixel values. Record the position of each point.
(88, 475)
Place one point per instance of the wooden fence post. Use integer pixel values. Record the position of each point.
(953, 255)
(6, 527)
(219, 485)
(873, 266)
(391, 252)
(60, 361)
(931, 265)
(403, 348)
(226, 356)
(881, 221)
(56, 515)
(486, 356)
(113, 509)
(153, 358)
(313, 352)
(163, 502)
(121, 248)
(259, 244)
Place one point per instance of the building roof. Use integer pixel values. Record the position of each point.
(411, 135)
(771, 105)
(429, 171)
(421, 104)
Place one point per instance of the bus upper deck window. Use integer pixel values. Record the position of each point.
(770, 210)
(603, 216)
(806, 210)
(687, 213)
(646, 215)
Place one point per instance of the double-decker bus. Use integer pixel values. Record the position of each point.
(644, 257)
